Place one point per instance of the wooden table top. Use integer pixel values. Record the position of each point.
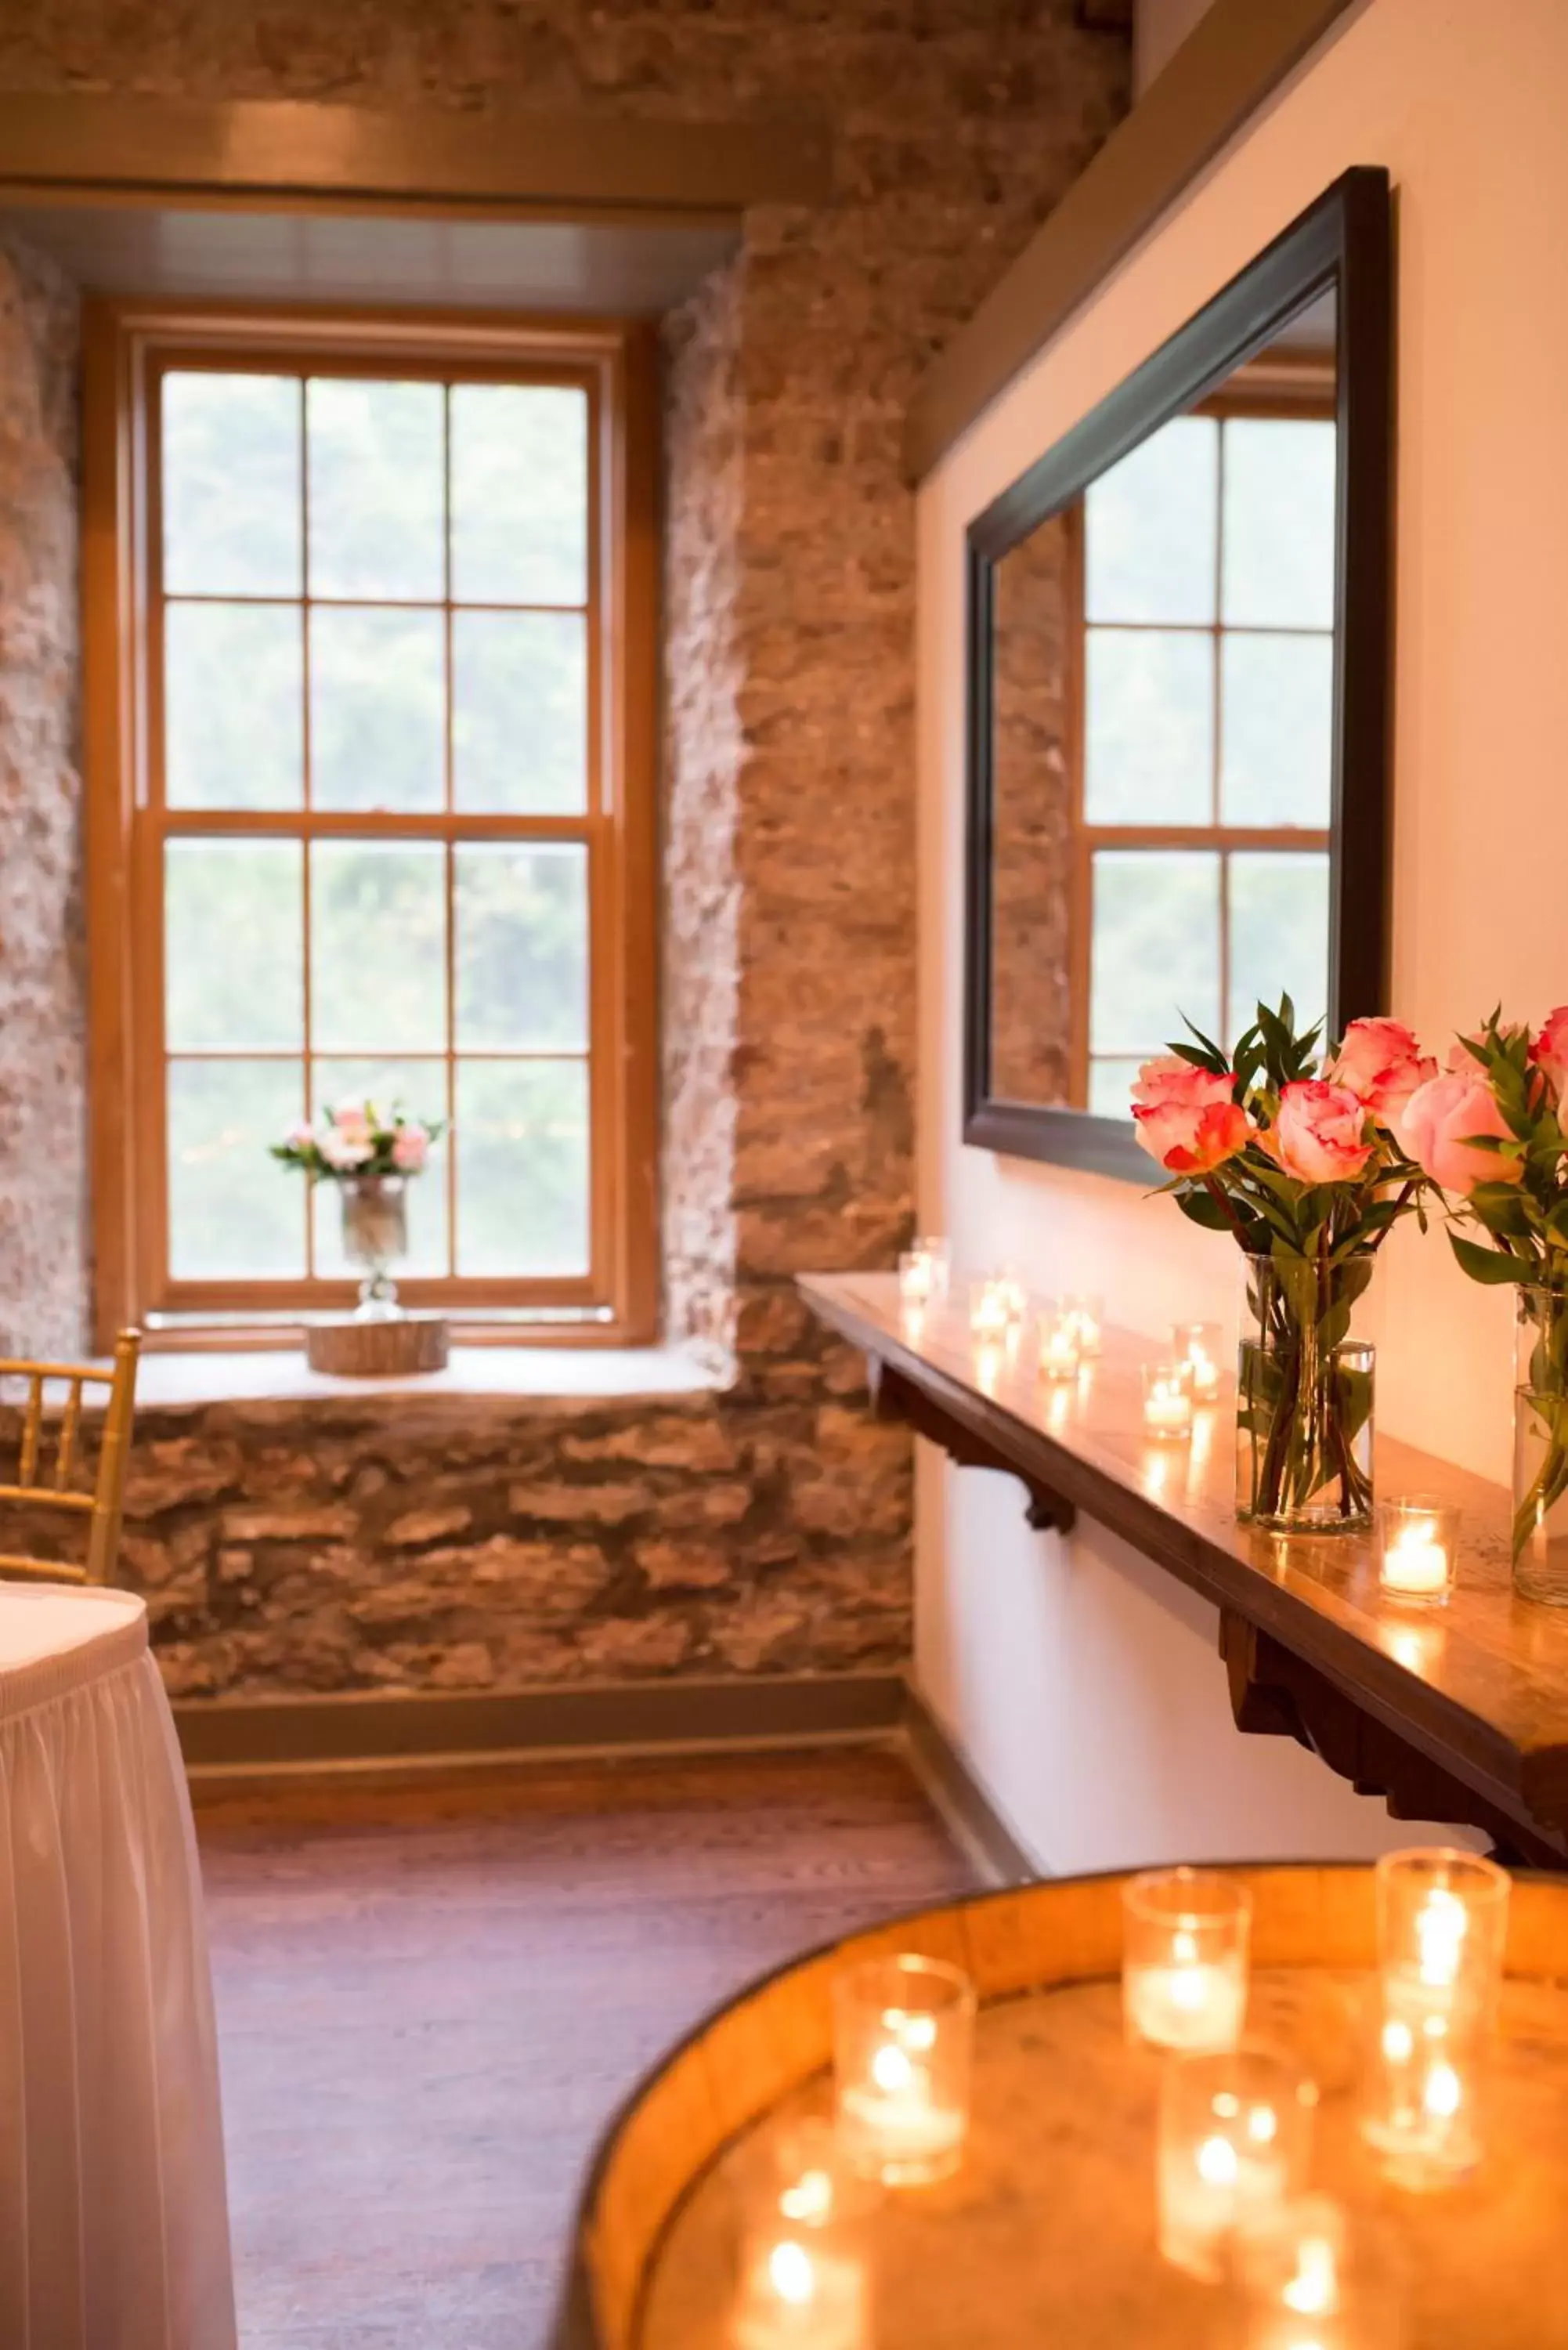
(1048, 2234)
(1479, 1686)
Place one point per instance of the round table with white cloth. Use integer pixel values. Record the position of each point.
(114, 2230)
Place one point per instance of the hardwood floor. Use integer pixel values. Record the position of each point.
(429, 2006)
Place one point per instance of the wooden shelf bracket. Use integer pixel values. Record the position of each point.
(896, 1398)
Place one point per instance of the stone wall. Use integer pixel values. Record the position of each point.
(43, 1104)
(1032, 845)
(789, 981)
(483, 1542)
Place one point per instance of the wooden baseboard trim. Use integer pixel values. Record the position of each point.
(967, 1812)
(229, 1745)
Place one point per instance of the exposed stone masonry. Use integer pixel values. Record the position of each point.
(476, 1543)
(43, 1106)
(789, 978)
(1031, 995)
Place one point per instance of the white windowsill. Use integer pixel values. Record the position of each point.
(268, 1376)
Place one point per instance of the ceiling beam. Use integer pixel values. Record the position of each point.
(1237, 53)
(560, 163)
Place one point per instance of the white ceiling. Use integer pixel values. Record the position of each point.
(622, 267)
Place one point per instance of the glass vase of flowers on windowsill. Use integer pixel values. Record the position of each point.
(1298, 1157)
(1489, 1131)
(371, 1155)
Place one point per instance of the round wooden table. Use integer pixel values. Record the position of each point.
(1046, 2236)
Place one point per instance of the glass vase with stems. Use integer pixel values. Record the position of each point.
(1489, 1131)
(1540, 1447)
(1305, 1396)
(1294, 1153)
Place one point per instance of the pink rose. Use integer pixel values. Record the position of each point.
(1381, 1063)
(1439, 1123)
(300, 1135)
(352, 1120)
(1320, 1134)
(1549, 1050)
(1187, 1117)
(410, 1148)
(345, 1150)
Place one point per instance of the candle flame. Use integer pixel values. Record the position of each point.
(1398, 2041)
(1443, 2093)
(810, 2199)
(1441, 1924)
(791, 2274)
(891, 2069)
(1263, 2124)
(1216, 2164)
(1313, 2291)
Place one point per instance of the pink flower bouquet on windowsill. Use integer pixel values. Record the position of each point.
(1301, 1157)
(354, 1139)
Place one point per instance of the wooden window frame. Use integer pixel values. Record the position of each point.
(127, 346)
(1296, 399)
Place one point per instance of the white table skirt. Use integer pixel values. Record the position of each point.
(114, 2230)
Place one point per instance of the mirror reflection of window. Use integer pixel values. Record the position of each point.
(1201, 819)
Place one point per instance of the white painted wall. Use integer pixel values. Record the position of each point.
(1159, 28)
(1084, 1688)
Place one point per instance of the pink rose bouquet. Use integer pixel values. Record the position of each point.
(1301, 1157)
(1491, 1131)
(357, 1138)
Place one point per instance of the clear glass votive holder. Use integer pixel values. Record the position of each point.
(1418, 1550)
(903, 2043)
(996, 1309)
(1442, 1928)
(925, 1273)
(1235, 2139)
(1423, 2094)
(804, 2278)
(1166, 1403)
(1300, 2280)
(1056, 1341)
(1186, 1937)
(1087, 1315)
(1200, 1348)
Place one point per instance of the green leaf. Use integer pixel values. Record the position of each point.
(1493, 1266)
(1202, 1207)
(1216, 1060)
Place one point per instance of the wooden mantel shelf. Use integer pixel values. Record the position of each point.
(1458, 1714)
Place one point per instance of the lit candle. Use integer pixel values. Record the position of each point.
(799, 2295)
(1417, 1544)
(902, 2036)
(1235, 2135)
(1059, 1351)
(1185, 1938)
(1198, 1347)
(1087, 1315)
(1166, 1403)
(1297, 2286)
(995, 1308)
(803, 2282)
(1420, 2109)
(924, 1271)
(1442, 1924)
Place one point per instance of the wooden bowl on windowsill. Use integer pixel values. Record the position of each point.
(402, 1346)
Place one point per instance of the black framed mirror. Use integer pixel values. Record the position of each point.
(1177, 677)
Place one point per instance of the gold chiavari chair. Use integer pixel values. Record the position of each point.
(103, 1505)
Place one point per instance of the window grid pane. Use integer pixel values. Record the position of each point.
(1269, 904)
(368, 950)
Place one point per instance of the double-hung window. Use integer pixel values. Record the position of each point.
(370, 655)
(1205, 570)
